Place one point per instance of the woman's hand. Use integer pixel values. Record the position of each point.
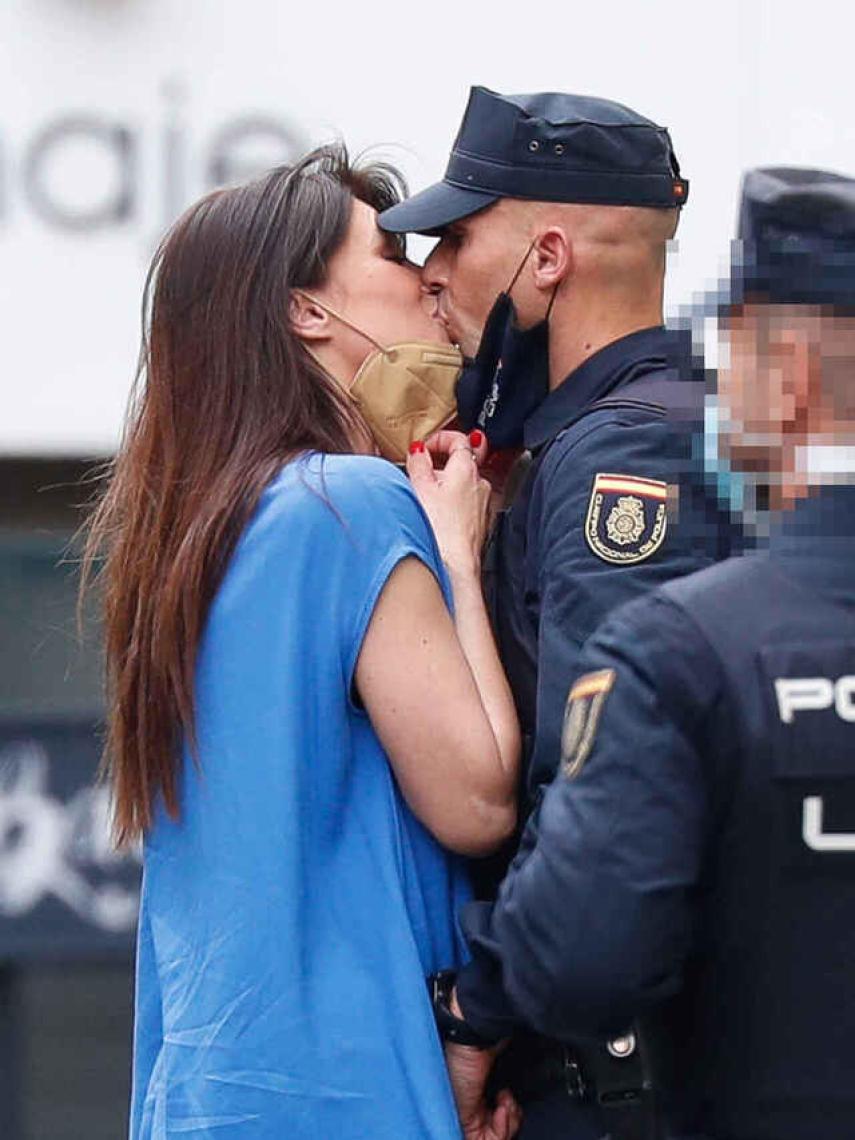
(455, 498)
(469, 1069)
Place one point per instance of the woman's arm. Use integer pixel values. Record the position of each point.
(434, 688)
(457, 502)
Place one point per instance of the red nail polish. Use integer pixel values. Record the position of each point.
(476, 438)
(416, 447)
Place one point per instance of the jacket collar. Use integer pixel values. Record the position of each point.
(600, 375)
(815, 541)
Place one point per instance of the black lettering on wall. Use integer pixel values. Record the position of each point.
(245, 147)
(44, 193)
(174, 143)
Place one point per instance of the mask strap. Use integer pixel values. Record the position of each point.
(521, 266)
(344, 321)
(519, 270)
(552, 300)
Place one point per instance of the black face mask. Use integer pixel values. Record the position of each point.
(509, 375)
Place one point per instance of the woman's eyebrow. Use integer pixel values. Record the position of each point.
(393, 243)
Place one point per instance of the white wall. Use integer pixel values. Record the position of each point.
(739, 84)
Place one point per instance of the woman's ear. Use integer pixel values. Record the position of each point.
(552, 258)
(309, 320)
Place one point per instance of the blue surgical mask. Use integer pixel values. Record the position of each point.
(740, 493)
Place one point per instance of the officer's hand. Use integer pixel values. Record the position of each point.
(455, 499)
(469, 1069)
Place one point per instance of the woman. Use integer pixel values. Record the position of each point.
(297, 726)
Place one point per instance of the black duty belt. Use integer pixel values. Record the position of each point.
(613, 1075)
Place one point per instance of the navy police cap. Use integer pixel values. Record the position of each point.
(796, 238)
(547, 148)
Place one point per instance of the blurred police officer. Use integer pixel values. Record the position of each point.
(554, 217)
(693, 864)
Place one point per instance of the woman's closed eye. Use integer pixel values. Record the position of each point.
(396, 249)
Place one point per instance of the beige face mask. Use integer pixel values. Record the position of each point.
(405, 391)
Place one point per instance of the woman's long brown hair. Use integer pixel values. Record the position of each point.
(224, 396)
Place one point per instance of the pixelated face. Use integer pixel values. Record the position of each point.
(787, 396)
(756, 394)
(472, 263)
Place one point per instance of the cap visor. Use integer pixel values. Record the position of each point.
(431, 209)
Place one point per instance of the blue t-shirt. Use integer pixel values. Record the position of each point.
(289, 918)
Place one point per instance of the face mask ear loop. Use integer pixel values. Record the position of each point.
(344, 321)
(552, 300)
(519, 270)
(521, 266)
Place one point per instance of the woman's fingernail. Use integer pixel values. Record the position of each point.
(416, 447)
(476, 438)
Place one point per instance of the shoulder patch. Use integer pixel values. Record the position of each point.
(581, 717)
(627, 518)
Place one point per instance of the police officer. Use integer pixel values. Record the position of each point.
(693, 865)
(554, 217)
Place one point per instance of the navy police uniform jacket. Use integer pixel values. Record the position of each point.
(605, 513)
(693, 864)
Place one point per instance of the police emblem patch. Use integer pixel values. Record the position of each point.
(627, 517)
(581, 716)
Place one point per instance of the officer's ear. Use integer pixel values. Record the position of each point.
(794, 357)
(552, 258)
